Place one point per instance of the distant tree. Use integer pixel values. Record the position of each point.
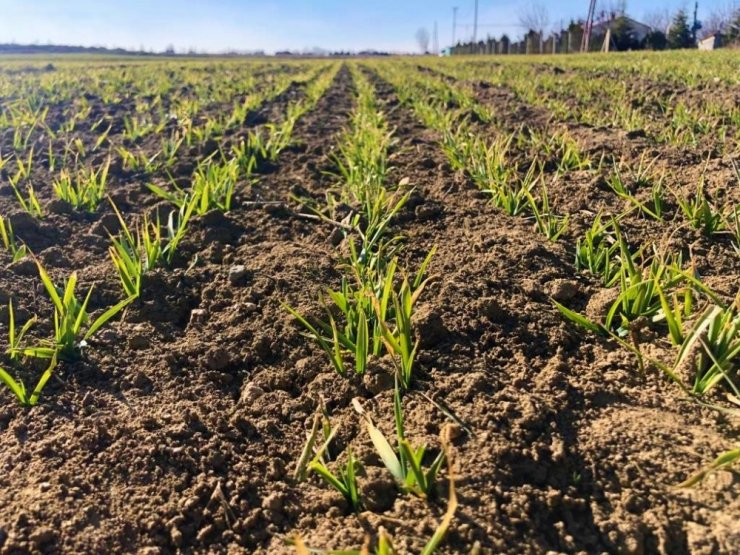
(659, 19)
(422, 39)
(609, 10)
(575, 26)
(733, 28)
(718, 21)
(679, 35)
(534, 17)
(655, 40)
(623, 35)
(170, 50)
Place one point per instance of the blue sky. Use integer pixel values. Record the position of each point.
(217, 25)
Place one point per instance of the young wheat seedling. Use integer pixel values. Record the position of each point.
(19, 389)
(711, 348)
(70, 317)
(15, 336)
(86, 189)
(405, 462)
(9, 242)
(549, 224)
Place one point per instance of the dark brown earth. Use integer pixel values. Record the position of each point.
(180, 429)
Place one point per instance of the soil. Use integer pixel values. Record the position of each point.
(180, 428)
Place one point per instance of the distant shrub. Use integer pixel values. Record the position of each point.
(655, 40)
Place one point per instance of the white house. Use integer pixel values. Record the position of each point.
(711, 42)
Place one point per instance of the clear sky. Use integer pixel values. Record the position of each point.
(218, 25)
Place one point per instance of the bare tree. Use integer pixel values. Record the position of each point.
(659, 19)
(534, 17)
(718, 19)
(609, 10)
(422, 39)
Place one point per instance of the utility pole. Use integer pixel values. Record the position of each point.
(475, 23)
(586, 41)
(454, 24)
(697, 25)
(435, 40)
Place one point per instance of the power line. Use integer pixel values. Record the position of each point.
(454, 24)
(468, 25)
(475, 23)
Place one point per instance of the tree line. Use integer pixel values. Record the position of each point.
(666, 31)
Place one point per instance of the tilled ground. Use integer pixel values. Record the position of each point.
(181, 428)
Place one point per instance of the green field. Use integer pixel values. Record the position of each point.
(416, 304)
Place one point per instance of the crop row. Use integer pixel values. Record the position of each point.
(367, 322)
(616, 103)
(80, 183)
(670, 68)
(642, 188)
(653, 287)
(142, 245)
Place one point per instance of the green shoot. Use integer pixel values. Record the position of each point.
(70, 318)
(598, 249)
(52, 159)
(247, 152)
(723, 461)
(85, 190)
(345, 481)
(177, 223)
(19, 389)
(616, 183)
(8, 240)
(571, 157)
(179, 198)
(137, 252)
(29, 204)
(15, 336)
(138, 161)
(214, 185)
(125, 252)
(385, 544)
(399, 341)
(655, 209)
(711, 348)
(580, 320)
(102, 138)
(514, 200)
(701, 213)
(24, 168)
(549, 224)
(405, 462)
(361, 335)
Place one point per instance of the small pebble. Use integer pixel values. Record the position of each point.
(138, 341)
(273, 502)
(250, 393)
(197, 316)
(562, 289)
(217, 359)
(176, 537)
(336, 236)
(237, 273)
